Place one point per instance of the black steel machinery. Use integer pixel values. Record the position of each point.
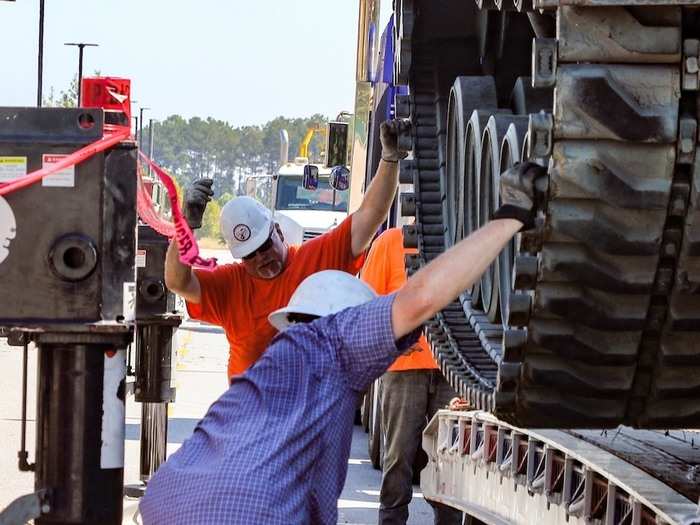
(67, 284)
(593, 318)
(156, 322)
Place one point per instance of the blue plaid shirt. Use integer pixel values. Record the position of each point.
(274, 447)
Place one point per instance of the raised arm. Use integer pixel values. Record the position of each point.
(179, 277)
(380, 193)
(440, 282)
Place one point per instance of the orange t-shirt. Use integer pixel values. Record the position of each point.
(385, 271)
(240, 303)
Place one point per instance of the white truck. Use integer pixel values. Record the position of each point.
(305, 213)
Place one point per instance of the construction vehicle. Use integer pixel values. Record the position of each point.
(305, 210)
(590, 319)
(318, 209)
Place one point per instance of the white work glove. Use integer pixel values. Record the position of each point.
(388, 135)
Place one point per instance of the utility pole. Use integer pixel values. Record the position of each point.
(80, 46)
(136, 122)
(150, 143)
(140, 139)
(40, 58)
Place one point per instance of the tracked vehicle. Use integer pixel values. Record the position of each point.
(592, 319)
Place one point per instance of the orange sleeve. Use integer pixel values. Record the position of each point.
(396, 275)
(215, 295)
(375, 270)
(333, 250)
(385, 271)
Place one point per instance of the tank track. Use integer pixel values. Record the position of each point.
(601, 325)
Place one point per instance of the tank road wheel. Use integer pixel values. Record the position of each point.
(494, 135)
(466, 95)
(511, 148)
(472, 200)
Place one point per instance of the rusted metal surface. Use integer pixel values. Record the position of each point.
(503, 474)
(670, 456)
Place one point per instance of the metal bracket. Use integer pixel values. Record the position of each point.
(544, 62)
(540, 130)
(25, 508)
(691, 51)
(687, 139)
(402, 106)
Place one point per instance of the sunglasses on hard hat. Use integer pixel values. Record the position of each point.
(262, 248)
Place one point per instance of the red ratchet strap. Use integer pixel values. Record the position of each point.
(145, 207)
(186, 242)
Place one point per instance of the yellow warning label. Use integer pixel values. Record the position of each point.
(12, 168)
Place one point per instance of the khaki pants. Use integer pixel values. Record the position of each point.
(409, 399)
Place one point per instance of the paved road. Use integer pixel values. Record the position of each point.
(201, 361)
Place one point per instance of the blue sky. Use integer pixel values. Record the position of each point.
(245, 62)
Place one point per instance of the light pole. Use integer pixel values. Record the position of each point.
(141, 110)
(40, 57)
(80, 46)
(150, 143)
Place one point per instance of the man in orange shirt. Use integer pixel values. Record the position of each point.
(240, 296)
(412, 390)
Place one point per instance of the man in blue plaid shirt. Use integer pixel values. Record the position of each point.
(274, 448)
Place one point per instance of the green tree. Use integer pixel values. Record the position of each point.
(210, 221)
(67, 98)
(194, 148)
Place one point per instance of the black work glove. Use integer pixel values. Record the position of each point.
(519, 194)
(197, 195)
(388, 135)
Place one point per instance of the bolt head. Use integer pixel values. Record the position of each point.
(678, 207)
(669, 249)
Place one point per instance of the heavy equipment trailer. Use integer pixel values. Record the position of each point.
(593, 318)
(500, 474)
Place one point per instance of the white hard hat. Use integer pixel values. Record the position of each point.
(323, 293)
(245, 224)
(293, 231)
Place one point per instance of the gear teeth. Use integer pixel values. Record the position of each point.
(410, 236)
(525, 272)
(520, 306)
(408, 204)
